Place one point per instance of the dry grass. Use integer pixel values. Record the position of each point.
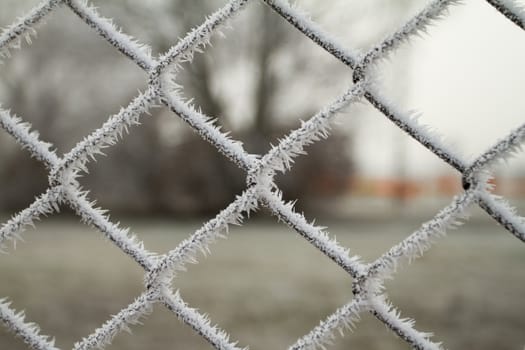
(267, 286)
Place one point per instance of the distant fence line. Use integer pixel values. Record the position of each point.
(368, 278)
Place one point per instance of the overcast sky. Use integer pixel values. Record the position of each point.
(466, 77)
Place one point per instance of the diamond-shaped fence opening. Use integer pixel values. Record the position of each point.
(67, 65)
(272, 90)
(106, 285)
(453, 295)
(160, 269)
(285, 281)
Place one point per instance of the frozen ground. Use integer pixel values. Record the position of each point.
(267, 286)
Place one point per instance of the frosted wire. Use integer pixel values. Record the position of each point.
(369, 294)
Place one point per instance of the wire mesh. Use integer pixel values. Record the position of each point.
(368, 278)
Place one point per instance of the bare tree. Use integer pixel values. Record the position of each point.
(187, 176)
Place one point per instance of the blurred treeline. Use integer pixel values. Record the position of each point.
(258, 81)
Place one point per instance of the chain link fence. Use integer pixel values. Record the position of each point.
(368, 277)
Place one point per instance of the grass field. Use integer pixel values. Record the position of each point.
(267, 286)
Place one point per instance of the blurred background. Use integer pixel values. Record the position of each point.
(368, 183)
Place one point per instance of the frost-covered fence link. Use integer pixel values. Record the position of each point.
(368, 278)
